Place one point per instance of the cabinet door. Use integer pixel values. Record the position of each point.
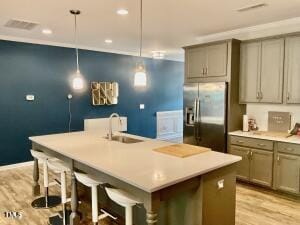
(261, 167)
(292, 70)
(195, 62)
(216, 60)
(272, 59)
(250, 72)
(287, 173)
(243, 166)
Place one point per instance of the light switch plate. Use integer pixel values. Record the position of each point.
(29, 97)
(142, 106)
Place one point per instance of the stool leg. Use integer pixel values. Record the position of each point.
(36, 176)
(95, 204)
(128, 215)
(63, 189)
(46, 182)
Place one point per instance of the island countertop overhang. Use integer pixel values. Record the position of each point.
(136, 164)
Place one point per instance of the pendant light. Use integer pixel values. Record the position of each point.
(140, 77)
(78, 81)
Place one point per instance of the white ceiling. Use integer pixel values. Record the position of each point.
(168, 24)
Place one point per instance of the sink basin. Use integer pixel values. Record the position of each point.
(124, 139)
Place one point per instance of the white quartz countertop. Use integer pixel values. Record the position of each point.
(293, 139)
(136, 164)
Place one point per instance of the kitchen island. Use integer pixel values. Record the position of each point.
(206, 182)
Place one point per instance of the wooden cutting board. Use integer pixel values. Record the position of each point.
(182, 150)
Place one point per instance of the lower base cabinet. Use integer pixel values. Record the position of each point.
(243, 166)
(287, 172)
(261, 167)
(268, 163)
(256, 165)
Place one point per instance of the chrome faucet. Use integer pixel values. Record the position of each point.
(110, 133)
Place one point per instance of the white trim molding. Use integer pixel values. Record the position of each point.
(15, 166)
(169, 126)
(262, 30)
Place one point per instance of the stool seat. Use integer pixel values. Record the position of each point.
(121, 197)
(40, 155)
(58, 166)
(87, 180)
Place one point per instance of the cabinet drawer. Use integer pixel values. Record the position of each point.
(289, 148)
(251, 142)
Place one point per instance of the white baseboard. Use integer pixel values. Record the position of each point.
(17, 165)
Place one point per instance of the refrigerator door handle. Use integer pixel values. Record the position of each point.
(195, 111)
(198, 120)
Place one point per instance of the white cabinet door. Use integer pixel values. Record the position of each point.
(292, 70)
(250, 72)
(272, 59)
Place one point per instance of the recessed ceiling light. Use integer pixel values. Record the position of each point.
(158, 54)
(47, 31)
(250, 7)
(108, 41)
(122, 11)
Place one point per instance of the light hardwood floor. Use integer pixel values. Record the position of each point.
(254, 206)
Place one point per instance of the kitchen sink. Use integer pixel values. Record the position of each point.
(124, 139)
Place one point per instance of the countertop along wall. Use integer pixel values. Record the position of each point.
(45, 71)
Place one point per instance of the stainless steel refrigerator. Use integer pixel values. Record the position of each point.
(205, 107)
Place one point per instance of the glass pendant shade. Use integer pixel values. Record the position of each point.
(77, 82)
(140, 77)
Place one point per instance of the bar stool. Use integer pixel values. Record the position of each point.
(93, 184)
(61, 168)
(124, 199)
(47, 201)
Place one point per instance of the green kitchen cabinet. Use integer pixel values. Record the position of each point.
(243, 166)
(292, 70)
(261, 71)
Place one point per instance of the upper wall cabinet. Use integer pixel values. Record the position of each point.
(292, 70)
(250, 72)
(261, 71)
(208, 61)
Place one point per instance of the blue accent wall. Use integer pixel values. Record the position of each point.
(45, 71)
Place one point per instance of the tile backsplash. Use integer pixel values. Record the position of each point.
(260, 113)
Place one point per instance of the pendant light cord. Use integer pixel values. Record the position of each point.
(141, 27)
(76, 47)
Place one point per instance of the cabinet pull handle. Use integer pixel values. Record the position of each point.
(257, 95)
(251, 154)
(241, 142)
(261, 145)
(203, 71)
(261, 96)
(289, 149)
(288, 96)
(278, 159)
(248, 154)
(206, 71)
